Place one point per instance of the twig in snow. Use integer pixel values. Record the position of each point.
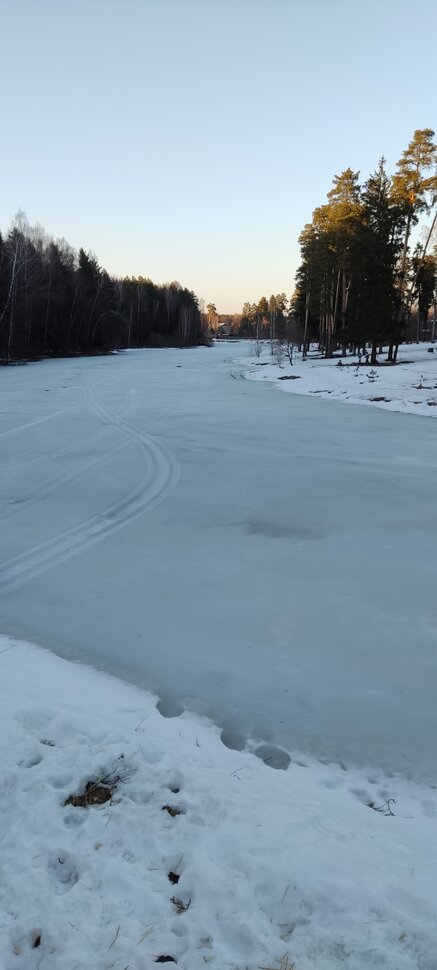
(383, 809)
(234, 774)
(283, 964)
(115, 937)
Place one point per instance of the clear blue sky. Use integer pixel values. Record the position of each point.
(191, 139)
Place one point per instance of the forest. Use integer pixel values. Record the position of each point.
(366, 279)
(367, 275)
(56, 302)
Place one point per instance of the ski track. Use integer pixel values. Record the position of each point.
(160, 478)
(46, 489)
(31, 424)
(50, 487)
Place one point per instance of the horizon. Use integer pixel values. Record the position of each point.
(174, 140)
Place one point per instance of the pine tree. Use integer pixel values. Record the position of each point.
(374, 307)
(414, 189)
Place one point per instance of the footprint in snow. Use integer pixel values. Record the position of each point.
(31, 761)
(169, 708)
(273, 757)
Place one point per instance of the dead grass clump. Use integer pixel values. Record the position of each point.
(101, 789)
(94, 793)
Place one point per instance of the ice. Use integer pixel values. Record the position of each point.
(267, 559)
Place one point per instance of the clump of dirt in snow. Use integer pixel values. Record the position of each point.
(172, 810)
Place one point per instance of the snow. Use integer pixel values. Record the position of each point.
(410, 386)
(278, 869)
(264, 559)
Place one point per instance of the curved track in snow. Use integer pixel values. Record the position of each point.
(54, 483)
(160, 478)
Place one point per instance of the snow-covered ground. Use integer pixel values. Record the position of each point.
(261, 868)
(265, 559)
(410, 386)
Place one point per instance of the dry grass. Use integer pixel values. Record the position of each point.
(179, 904)
(94, 793)
(97, 791)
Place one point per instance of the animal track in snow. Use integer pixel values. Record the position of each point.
(30, 762)
(63, 871)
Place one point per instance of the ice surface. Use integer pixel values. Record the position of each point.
(267, 559)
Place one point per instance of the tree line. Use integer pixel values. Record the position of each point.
(265, 319)
(54, 301)
(258, 321)
(359, 277)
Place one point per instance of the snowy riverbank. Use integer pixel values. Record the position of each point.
(410, 386)
(261, 868)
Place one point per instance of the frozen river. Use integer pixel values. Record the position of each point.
(264, 558)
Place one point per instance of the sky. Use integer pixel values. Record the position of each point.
(191, 140)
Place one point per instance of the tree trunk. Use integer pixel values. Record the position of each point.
(329, 333)
(344, 306)
(139, 294)
(11, 324)
(332, 316)
(71, 319)
(46, 320)
(11, 284)
(336, 302)
(305, 329)
(404, 252)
